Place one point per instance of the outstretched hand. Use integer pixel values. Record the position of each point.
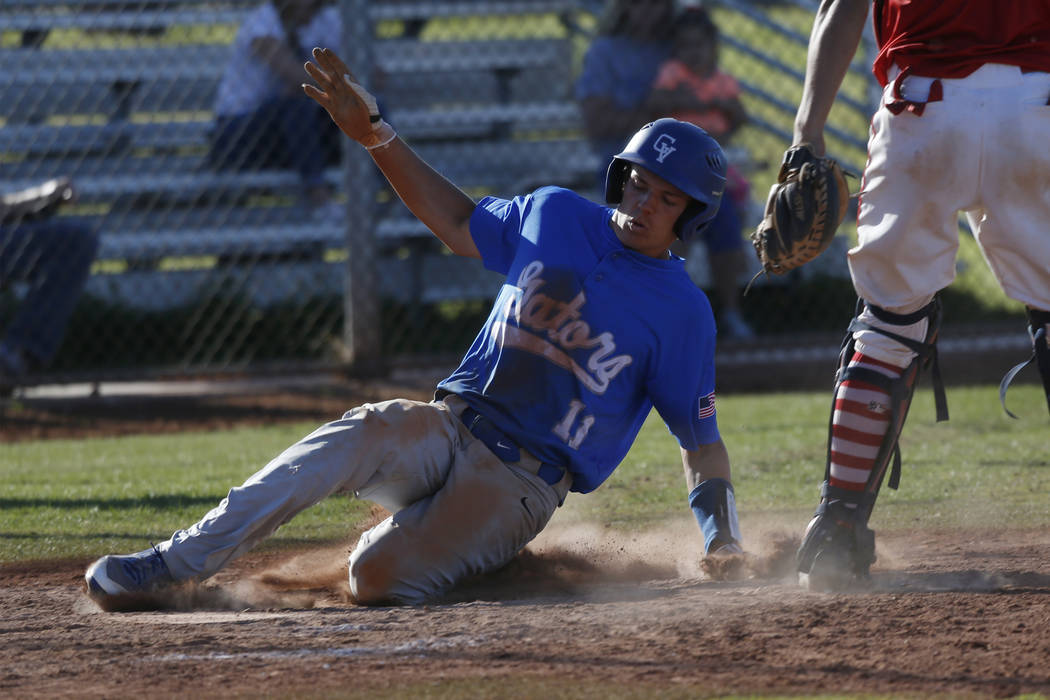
(348, 103)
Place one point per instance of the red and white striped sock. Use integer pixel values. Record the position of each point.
(859, 425)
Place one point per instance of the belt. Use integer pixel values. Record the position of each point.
(510, 452)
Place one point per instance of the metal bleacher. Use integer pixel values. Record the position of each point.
(129, 122)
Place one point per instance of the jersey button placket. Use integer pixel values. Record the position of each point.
(612, 257)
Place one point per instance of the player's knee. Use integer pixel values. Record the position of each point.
(371, 579)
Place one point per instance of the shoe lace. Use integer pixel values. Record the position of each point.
(147, 568)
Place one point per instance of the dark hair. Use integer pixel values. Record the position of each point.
(698, 18)
(614, 20)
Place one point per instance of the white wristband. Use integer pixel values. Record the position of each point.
(382, 133)
(381, 136)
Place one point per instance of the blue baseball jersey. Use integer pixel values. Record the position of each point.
(585, 338)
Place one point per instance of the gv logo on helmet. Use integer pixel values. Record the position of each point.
(663, 145)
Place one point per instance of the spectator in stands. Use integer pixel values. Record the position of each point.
(262, 118)
(52, 256)
(634, 39)
(616, 96)
(690, 86)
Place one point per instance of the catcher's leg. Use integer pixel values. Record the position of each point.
(1039, 330)
(871, 401)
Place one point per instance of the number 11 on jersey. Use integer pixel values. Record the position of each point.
(564, 428)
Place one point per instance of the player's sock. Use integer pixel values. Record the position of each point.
(859, 425)
(714, 506)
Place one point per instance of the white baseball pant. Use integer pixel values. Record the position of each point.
(982, 150)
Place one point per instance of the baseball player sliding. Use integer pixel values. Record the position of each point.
(962, 126)
(596, 324)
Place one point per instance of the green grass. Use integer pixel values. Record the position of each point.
(979, 467)
(68, 498)
(81, 498)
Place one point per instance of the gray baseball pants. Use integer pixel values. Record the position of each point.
(458, 509)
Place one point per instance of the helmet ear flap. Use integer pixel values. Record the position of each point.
(615, 179)
(686, 227)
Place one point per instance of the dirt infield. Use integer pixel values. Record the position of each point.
(948, 614)
(583, 612)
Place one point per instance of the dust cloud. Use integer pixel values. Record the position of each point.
(571, 559)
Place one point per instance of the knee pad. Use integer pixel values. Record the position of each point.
(1039, 330)
(900, 391)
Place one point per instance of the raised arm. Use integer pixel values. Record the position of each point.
(438, 203)
(837, 29)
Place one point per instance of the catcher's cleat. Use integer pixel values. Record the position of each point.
(837, 550)
(132, 573)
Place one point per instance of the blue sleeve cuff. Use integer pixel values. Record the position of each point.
(714, 506)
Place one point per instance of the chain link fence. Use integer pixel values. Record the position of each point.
(226, 226)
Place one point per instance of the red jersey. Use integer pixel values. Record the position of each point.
(953, 38)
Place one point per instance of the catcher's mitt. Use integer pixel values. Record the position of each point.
(803, 210)
(37, 202)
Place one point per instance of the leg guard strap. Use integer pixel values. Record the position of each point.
(1039, 330)
(834, 493)
(926, 350)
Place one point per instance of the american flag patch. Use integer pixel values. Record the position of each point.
(707, 406)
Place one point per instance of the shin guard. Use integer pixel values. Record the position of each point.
(839, 527)
(900, 391)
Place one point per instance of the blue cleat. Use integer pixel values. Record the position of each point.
(131, 573)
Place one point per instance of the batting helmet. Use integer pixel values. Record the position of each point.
(684, 155)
